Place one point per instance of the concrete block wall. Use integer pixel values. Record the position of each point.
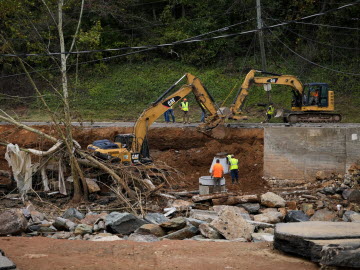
(297, 153)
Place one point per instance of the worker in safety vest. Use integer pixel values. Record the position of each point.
(185, 108)
(217, 173)
(234, 168)
(270, 112)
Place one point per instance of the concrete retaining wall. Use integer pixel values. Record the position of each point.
(297, 153)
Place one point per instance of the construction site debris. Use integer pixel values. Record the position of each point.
(323, 215)
(123, 223)
(142, 237)
(155, 218)
(151, 229)
(252, 208)
(270, 199)
(73, 213)
(296, 216)
(187, 232)
(233, 200)
(83, 229)
(314, 241)
(12, 222)
(174, 224)
(232, 225)
(262, 237)
(209, 232)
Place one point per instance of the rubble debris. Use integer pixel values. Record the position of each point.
(232, 225)
(272, 216)
(323, 215)
(106, 237)
(93, 187)
(201, 198)
(296, 216)
(122, 223)
(155, 218)
(182, 205)
(151, 229)
(143, 237)
(174, 224)
(12, 222)
(252, 208)
(6, 263)
(354, 196)
(203, 215)
(83, 229)
(73, 213)
(270, 199)
(184, 233)
(233, 200)
(262, 237)
(315, 239)
(195, 222)
(207, 231)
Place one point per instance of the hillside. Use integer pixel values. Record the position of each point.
(123, 91)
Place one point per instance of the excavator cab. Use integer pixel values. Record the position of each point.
(316, 94)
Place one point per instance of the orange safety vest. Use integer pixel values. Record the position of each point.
(217, 170)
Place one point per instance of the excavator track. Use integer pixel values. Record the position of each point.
(313, 117)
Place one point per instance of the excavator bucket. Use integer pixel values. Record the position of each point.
(218, 132)
(279, 113)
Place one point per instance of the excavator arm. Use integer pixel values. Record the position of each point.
(162, 104)
(250, 79)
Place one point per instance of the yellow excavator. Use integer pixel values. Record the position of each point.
(312, 102)
(133, 148)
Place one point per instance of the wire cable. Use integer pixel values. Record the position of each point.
(311, 62)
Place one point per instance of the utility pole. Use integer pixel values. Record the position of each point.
(262, 47)
(261, 36)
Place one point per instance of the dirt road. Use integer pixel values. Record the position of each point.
(40, 253)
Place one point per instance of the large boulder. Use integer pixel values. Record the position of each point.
(12, 222)
(174, 224)
(296, 216)
(123, 223)
(270, 199)
(151, 229)
(323, 215)
(207, 231)
(232, 225)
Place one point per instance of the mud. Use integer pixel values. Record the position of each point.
(184, 149)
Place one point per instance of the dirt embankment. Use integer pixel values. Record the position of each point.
(184, 149)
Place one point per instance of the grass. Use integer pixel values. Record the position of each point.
(121, 92)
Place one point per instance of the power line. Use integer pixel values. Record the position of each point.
(319, 42)
(331, 26)
(189, 40)
(311, 62)
(192, 40)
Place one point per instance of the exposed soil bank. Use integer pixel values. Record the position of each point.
(185, 149)
(39, 253)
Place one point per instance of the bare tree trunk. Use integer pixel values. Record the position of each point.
(74, 167)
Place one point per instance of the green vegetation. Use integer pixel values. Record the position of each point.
(320, 49)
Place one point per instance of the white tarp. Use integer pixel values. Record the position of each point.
(20, 163)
